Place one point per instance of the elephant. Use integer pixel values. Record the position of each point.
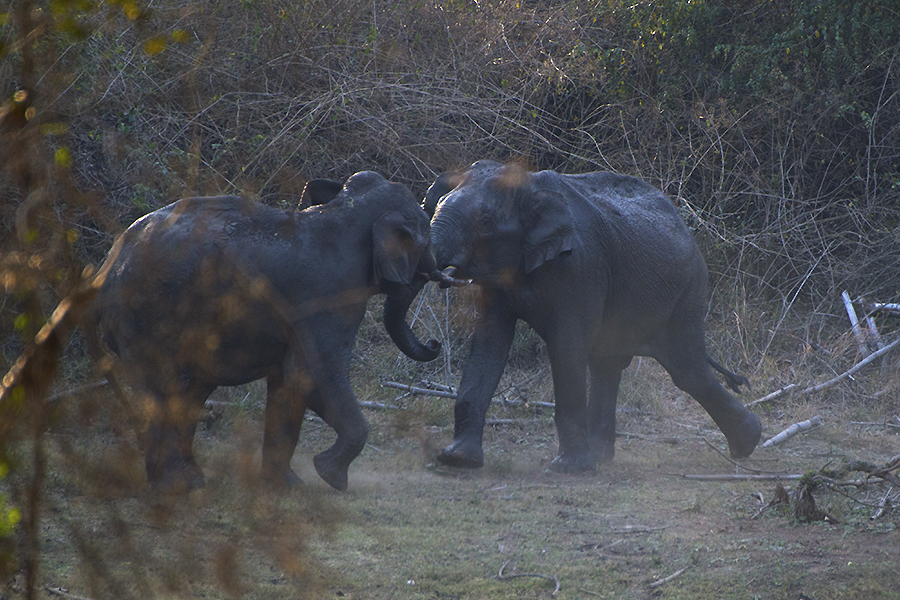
(603, 269)
(221, 291)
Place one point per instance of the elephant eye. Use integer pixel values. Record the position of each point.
(486, 222)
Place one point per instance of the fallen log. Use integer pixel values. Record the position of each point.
(792, 431)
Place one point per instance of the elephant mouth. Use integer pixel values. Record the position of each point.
(446, 279)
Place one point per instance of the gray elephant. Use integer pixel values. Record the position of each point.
(223, 291)
(603, 269)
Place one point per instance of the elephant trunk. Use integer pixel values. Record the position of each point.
(395, 308)
(451, 238)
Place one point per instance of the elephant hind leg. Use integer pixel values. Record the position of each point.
(606, 374)
(285, 408)
(169, 458)
(568, 363)
(692, 373)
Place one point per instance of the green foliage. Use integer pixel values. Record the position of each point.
(752, 48)
(9, 519)
(9, 515)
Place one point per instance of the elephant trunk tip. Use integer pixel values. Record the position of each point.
(434, 348)
(446, 279)
(400, 332)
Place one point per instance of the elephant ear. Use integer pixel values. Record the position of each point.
(445, 183)
(552, 231)
(397, 249)
(319, 191)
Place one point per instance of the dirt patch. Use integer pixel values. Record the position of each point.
(408, 529)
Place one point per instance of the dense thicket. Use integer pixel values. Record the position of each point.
(773, 122)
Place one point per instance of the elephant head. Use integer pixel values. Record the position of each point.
(493, 224)
(403, 262)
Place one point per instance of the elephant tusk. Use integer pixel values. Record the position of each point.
(446, 279)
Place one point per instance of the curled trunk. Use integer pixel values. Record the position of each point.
(395, 308)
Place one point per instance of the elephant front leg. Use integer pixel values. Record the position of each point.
(568, 362)
(285, 408)
(487, 358)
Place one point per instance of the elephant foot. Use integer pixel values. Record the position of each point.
(742, 442)
(178, 479)
(603, 450)
(567, 462)
(462, 454)
(282, 479)
(334, 473)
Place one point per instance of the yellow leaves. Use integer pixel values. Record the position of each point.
(13, 515)
(22, 322)
(9, 515)
(155, 45)
(63, 157)
(132, 11)
(53, 128)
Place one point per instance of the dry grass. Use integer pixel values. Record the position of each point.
(406, 529)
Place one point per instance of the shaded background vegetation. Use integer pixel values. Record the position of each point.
(775, 125)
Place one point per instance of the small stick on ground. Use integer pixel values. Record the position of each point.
(736, 464)
(64, 594)
(452, 395)
(736, 477)
(792, 431)
(656, 584)
(884, 507)
(417, 390)
(553, 578)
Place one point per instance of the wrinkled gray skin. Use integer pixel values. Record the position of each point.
(223, 291)
(603, 269)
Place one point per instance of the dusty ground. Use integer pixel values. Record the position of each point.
(406, 529)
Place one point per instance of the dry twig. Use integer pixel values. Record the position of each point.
(452, 395)
(737, 477)
(852, 370)
(773, 396)
(63, 593)
(553, 578)
(665, 580)
(821, 386)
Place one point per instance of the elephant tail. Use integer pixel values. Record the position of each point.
(733, 380)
